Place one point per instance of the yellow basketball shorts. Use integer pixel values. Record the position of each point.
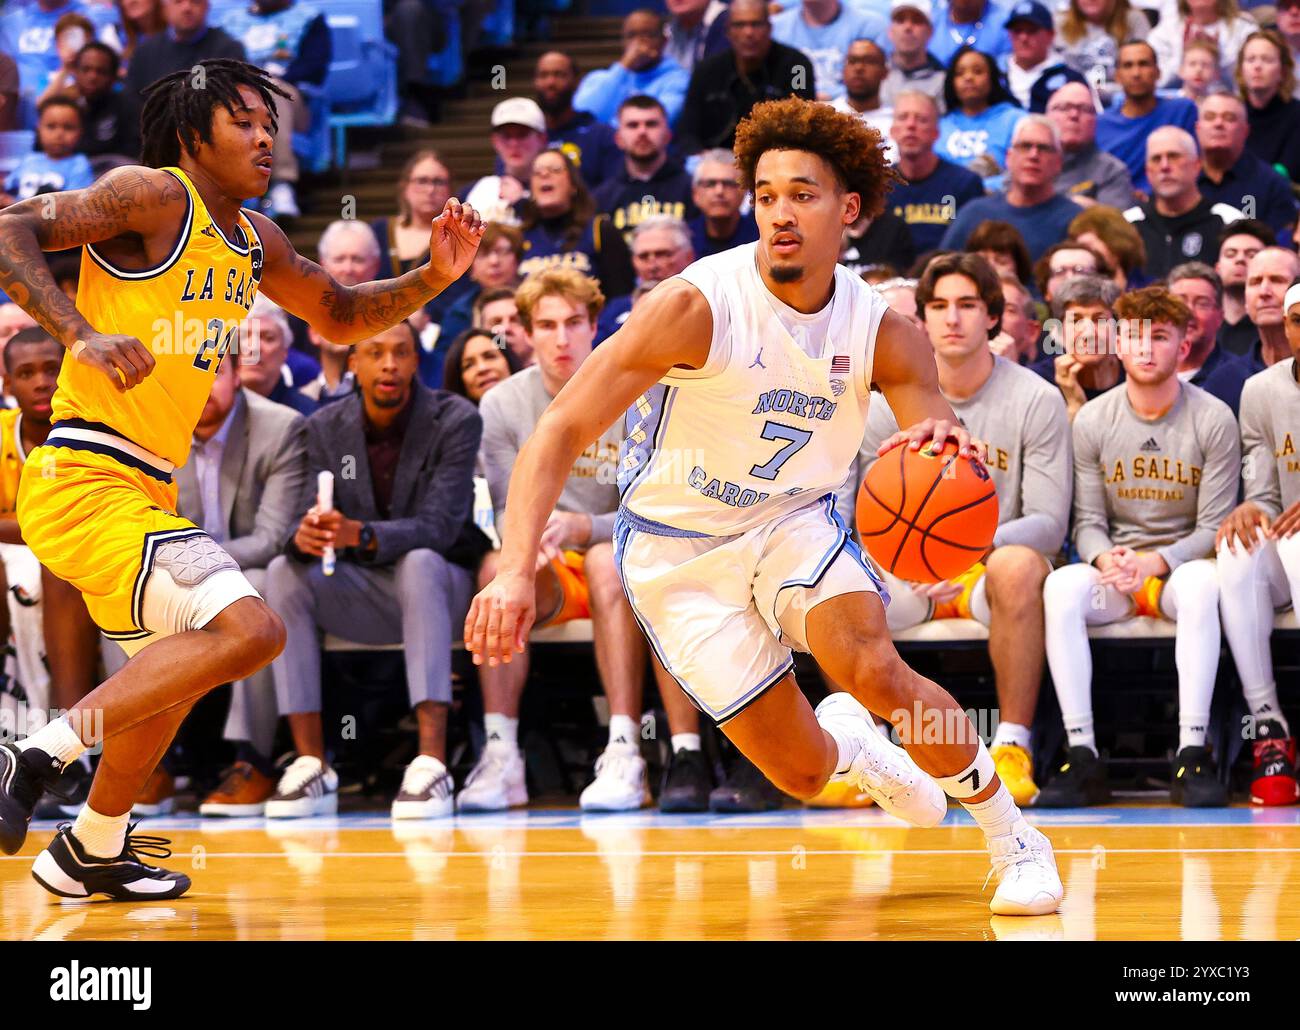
(108, 528)
(959, 606)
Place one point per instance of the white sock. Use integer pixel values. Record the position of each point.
(623, 730)
(1192, 729)
(848, 747)
(502, 728)
(998, 815)
(58, 740)
(685, 742)
(101, 835)
(1011, 733)
(1263, 704)
(1079, 732)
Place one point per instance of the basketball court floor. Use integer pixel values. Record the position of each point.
(1132, 871)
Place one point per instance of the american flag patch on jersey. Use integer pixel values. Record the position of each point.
(840, 364)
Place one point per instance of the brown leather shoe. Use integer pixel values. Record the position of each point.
(157, 796)
(244, 791)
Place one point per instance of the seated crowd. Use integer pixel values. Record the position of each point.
(1094, 222)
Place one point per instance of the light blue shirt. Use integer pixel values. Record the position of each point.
(826, 45)
(963, 137)
(988, 33)
(36, 171)
(207, 470)
(602, 90)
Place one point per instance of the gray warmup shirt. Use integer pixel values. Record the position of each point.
(1165, 484)
(1270, 420)
(510, 413)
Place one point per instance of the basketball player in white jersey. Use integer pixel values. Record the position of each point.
(1024, 420)
(1259, 558)
(748, 377)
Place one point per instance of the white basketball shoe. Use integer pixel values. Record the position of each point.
(496, 782)
(308, 787)
(880, 768)
(1025, 867)
(620, 783)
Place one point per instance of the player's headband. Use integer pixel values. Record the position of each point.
(1292, 297)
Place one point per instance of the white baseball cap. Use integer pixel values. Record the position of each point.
(923, 7)
(519, 111)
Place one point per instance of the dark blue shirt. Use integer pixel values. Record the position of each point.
(704, 245)
(1223, 375)
(1040, 225)
(590, 144)
(929, 205)
(612, 317)
(1270, 193)
(630, 201)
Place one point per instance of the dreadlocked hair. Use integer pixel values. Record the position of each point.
(847, 144)
(179, 106)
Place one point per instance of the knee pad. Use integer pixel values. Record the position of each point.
(191, 560)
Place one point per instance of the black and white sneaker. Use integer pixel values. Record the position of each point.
(65, 797)
(65, 869)
(427, 791)
(308, 787)
(24, 777)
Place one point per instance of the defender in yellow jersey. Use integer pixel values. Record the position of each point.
(171, 264)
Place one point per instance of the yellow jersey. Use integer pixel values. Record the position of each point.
(187, 310)
(11, 459)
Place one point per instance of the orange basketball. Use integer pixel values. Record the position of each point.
(927, 516)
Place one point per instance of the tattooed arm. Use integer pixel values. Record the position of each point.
(350, 314)
(139, 209)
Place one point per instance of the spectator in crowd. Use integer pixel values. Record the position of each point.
(349, 252)
(559, 308)
(650, 182)
(643, 70)
(13, 320)
(661, 247)
(873, 243)
(825, 30)
(980, 24)
(1145, 549)
(585, 139)
(982, 115)
(716, 190)
(1288, 27)
(1268, 276)
(1206, 364)
(900, 295)
(1088, 173)
(864, 71)
(54, 166)
(696, 29)
(1034, 70)
(518, 136)
(1110, 234)
(1081, 357)
(241, 486)
(1021, 324)
(1025, 424)
(496, 311)
(1266, 79)
(1090, 33)
(1232, 175)
(404, 544)
(911, 66)
(111, 133)
(1218, 21)
(1258, 560)
(725, 87)
(29, 29)
(1178, 224)
(1123, 129)
(71, 32)
(1200, 73)
(423, 188)
(562, 229)
(496, 264)
(137, 20)
(1031, 202)
(413, 27)
(1002, 246)
(933, 189)
(292, 41)
(264, 369)
(1238, 243)
(187, 39)
(1063, 261)
(478, 360)
(8, 93)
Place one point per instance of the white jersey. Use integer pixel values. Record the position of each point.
(770, 423)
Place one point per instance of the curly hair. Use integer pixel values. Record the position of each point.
(852, 148)
(1153, 304)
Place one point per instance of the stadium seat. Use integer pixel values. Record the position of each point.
(447, 66)
(362, 85)
(499, 26)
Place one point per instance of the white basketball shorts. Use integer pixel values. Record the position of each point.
(722, 613)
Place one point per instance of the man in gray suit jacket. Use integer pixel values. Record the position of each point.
(405, 547)
(241, 486)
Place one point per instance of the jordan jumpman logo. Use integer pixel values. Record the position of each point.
(758, 361)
